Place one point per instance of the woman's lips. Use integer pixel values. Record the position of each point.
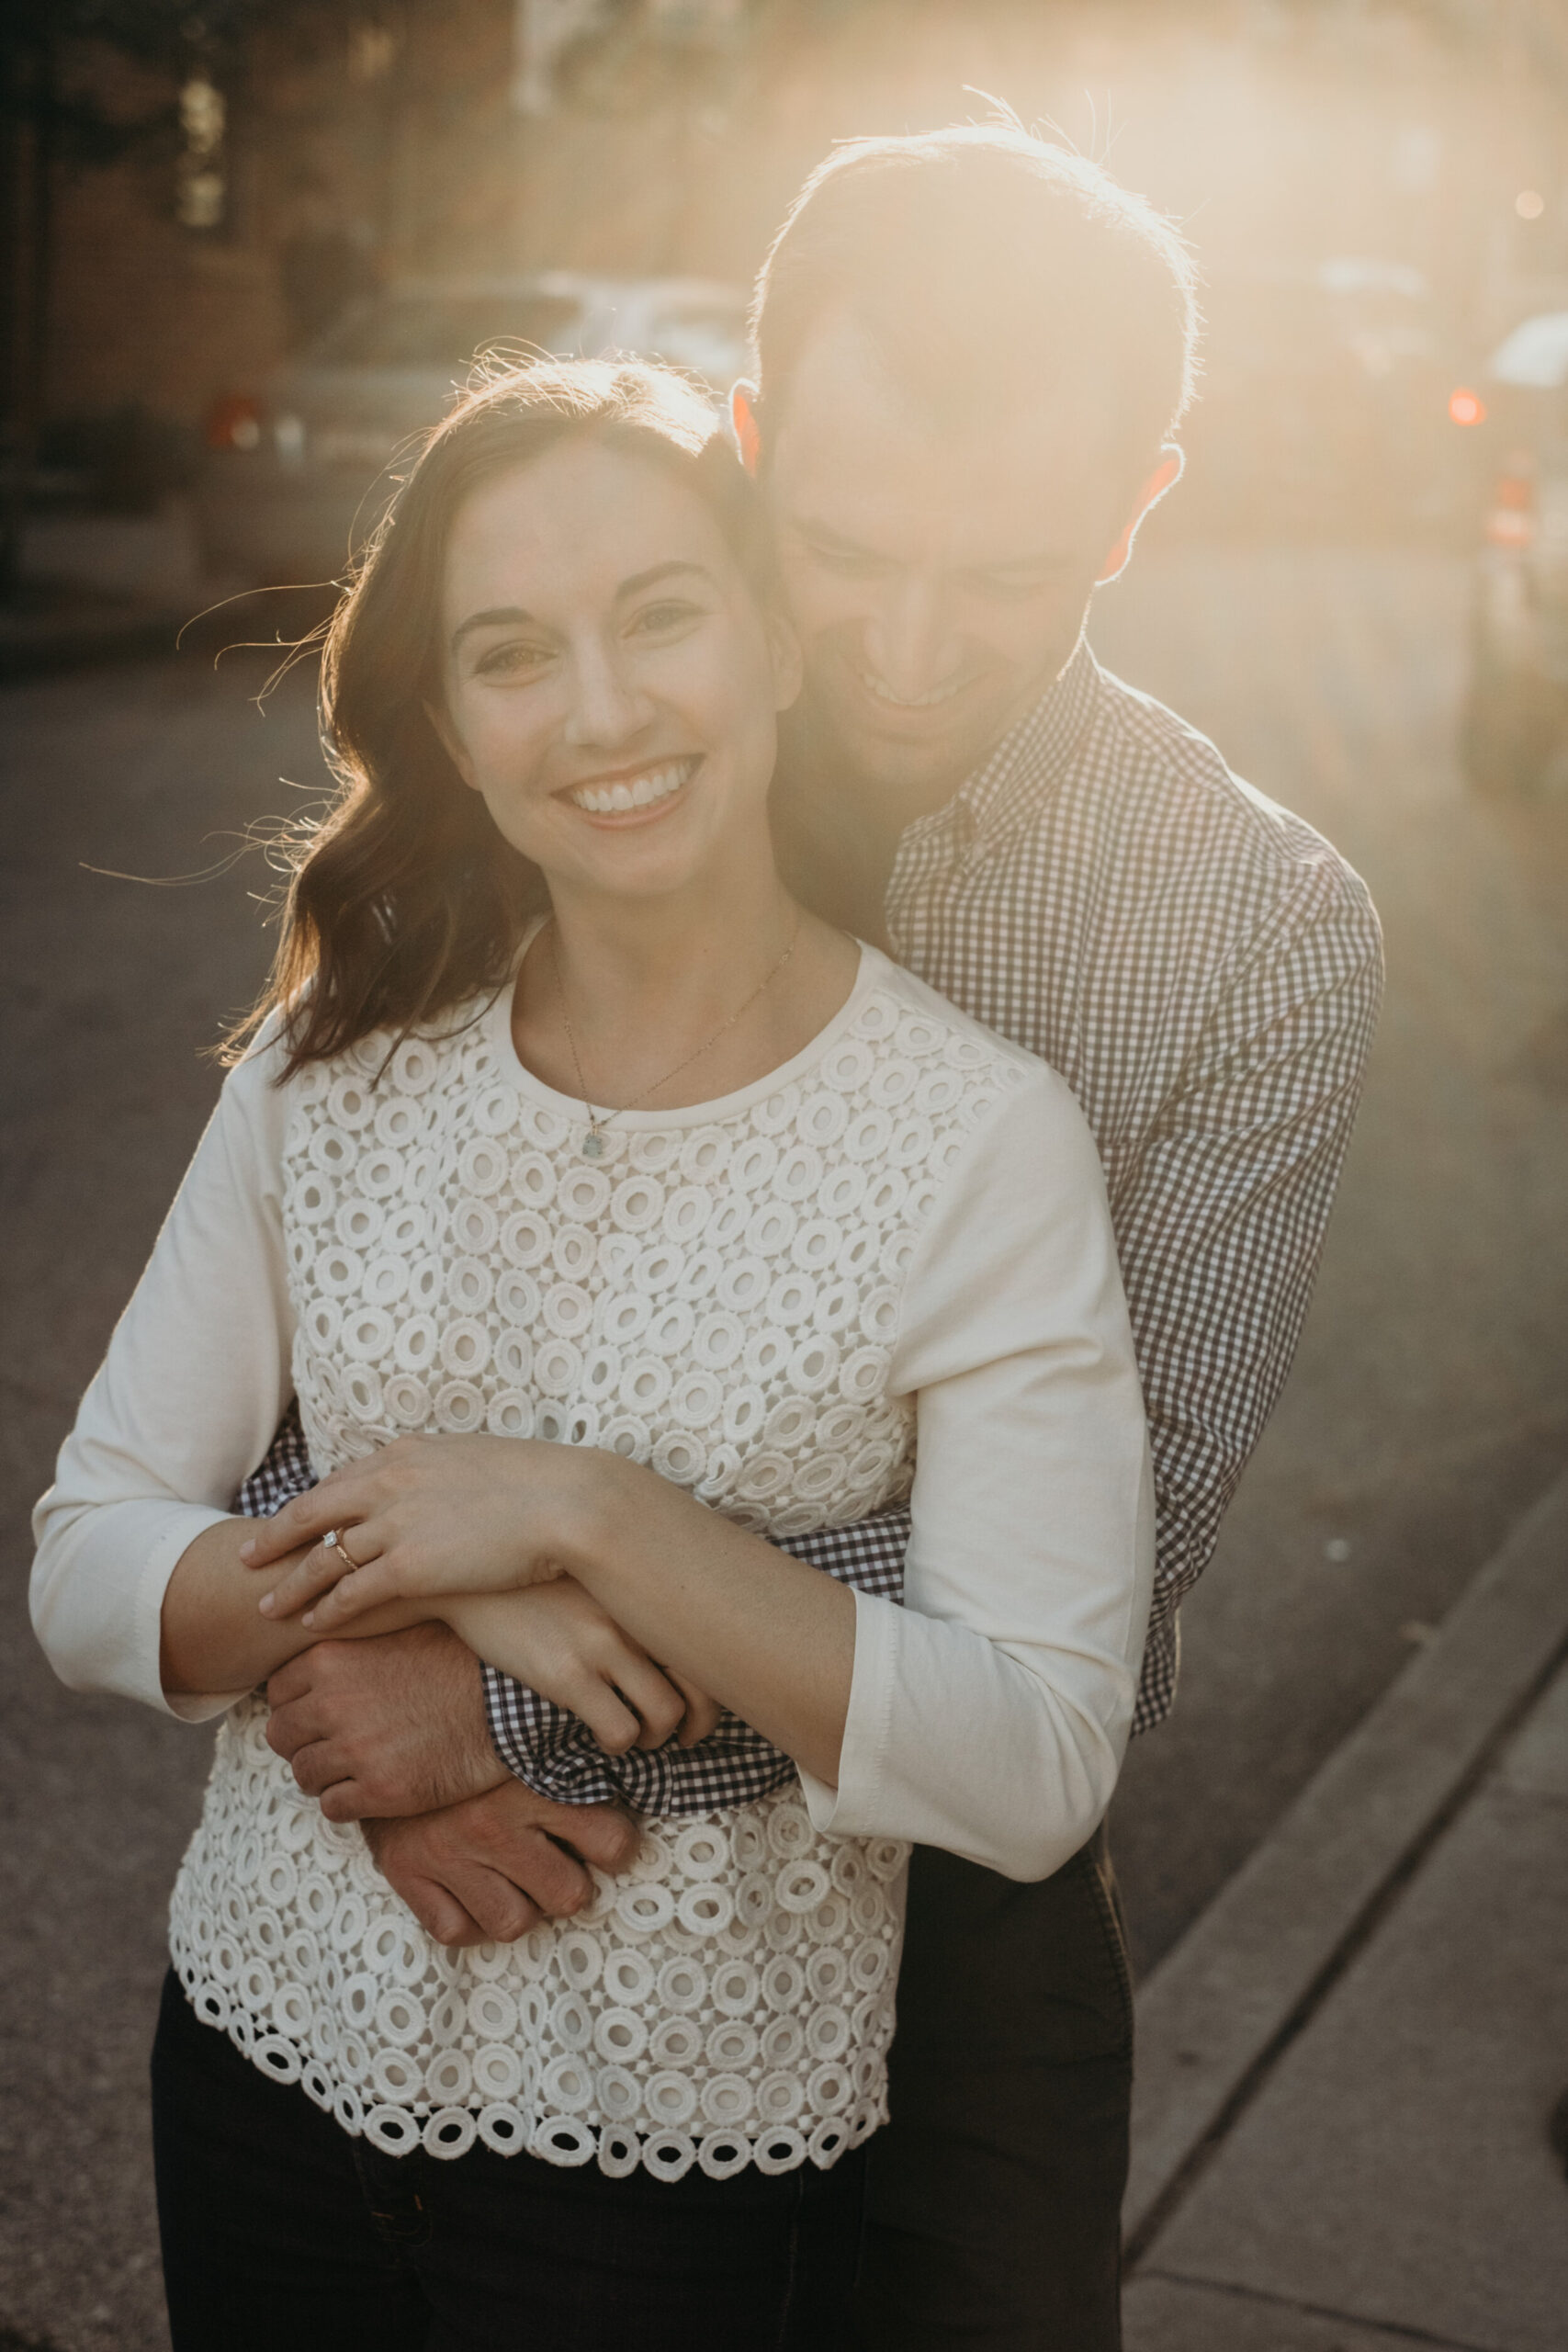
(635, 794)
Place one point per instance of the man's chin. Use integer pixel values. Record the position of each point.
(900, 767)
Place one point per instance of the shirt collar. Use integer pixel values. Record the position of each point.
(1032, 756)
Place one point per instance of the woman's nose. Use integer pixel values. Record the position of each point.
(909, 640)
(608, 707)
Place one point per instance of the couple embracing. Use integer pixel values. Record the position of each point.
(773, 1190)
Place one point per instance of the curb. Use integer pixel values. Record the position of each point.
(1217, 2011)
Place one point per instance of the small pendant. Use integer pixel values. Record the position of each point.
(592, 1146)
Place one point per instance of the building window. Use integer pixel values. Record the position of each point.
(201, 190)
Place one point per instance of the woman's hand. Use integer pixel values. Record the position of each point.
(428, 1517)
(558, 1640)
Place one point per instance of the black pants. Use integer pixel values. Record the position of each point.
(282, 2234)
(995, 2196)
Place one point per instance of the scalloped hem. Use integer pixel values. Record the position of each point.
(510, 2130)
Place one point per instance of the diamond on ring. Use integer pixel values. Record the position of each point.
(332, 1540)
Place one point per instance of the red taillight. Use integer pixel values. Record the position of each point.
(233, 423)
(1511, 521)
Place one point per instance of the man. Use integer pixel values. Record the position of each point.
(971, 351)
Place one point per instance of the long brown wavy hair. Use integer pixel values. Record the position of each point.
(406, 901)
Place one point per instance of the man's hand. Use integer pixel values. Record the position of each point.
(487, 1870)
(394, 1725)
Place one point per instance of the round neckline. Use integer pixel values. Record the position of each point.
(498, 1027)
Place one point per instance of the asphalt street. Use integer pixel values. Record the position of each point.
(1428, 1408)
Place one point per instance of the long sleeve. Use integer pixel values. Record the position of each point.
(1221, 1219)
(991, 1714)
(187, 1399)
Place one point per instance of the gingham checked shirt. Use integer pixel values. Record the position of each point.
(1205, 971)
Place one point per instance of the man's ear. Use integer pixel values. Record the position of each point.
(451, 743)
(1166, 476)
(745, 401)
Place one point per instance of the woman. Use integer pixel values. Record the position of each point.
(569, 1139)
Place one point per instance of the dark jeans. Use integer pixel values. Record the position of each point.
(995, 2196)
(282, 2234)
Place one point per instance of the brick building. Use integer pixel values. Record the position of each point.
(470, 136)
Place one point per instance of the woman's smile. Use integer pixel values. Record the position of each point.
(634, 796)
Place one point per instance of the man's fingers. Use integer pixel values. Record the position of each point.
(317, 1767)
(501, 1911)
(292, 1681)
(395, 1849)
(289, 1728)
(550, 1876)
(342, 1798)
(602, 1835)
(435, 1908)
(457, 1897)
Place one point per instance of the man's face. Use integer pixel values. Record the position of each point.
(938, 583)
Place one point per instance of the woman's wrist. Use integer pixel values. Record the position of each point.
(601, 1508)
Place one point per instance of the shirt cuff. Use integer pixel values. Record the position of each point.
(507, 1733)
(143, 1679)
(850, 1809)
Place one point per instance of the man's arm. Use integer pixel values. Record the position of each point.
(1220, 1223)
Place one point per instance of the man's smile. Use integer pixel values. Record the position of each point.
(882, 692)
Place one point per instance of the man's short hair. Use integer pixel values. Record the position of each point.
(987, 266)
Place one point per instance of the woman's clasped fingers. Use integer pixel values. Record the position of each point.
(337, 1502)
(434, 1516)
(347, 1567)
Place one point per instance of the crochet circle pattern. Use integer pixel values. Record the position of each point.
(717, 1298)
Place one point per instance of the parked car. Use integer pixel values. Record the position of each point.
(1323, 403)
(295, 472)
(1514, 726)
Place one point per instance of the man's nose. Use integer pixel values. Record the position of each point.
(911, 641)
(608, 705)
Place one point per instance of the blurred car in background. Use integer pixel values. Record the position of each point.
(1323, 403)
(1513, 727)
(294, 473)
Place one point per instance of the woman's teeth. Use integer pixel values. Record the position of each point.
(636, 792)
(909, 702)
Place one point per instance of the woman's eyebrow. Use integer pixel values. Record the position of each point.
(641, 580)
(497, 616)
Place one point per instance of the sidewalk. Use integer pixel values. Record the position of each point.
(1349, 2068)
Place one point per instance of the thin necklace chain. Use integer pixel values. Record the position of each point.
(594, 1144)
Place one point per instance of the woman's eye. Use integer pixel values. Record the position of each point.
(655, 617)
(503, 660)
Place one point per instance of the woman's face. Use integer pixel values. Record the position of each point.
(611, 686)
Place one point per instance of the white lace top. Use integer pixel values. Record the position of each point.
(900, 1233)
